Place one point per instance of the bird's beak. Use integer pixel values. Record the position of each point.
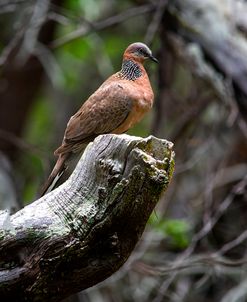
(153, 59)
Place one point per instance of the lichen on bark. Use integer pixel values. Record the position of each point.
(83, 231)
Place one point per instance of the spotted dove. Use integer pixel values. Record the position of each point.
(118, 104)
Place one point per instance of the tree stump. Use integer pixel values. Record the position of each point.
(83, 231)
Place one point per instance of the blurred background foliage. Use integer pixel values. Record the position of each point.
(55, 53)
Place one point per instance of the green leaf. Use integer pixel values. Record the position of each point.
(178, 230)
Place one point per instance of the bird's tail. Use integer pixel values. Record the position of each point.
(56, 173)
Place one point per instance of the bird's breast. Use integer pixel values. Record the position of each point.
(139, 108)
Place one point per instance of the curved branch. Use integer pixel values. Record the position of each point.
(82, 232)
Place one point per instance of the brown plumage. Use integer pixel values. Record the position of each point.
(118, 104)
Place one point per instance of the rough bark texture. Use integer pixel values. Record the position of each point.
(203, 37)
(212, 45)
(82, 232)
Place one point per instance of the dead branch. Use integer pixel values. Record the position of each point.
(82, 232)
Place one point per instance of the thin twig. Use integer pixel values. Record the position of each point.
(49, 63)
(100, 25)
(21, 144)
(153, 26)
(59, 18)
(196, 261)
(232, 244)
(197, 237)
(12, 44)
(38, 18)
(8, 2)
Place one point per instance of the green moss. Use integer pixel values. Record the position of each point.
(176, 230)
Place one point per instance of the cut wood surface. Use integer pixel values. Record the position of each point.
(84, 231)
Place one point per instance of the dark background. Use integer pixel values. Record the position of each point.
(54, 54)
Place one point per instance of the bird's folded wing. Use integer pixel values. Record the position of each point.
(103, 112)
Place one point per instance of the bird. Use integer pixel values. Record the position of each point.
(117, 105)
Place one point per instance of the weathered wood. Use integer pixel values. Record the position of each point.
(209, 38)
(82, 232)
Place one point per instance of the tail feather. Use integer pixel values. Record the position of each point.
(56, 173)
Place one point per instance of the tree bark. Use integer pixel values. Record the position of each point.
(219, 52)
(82, 232)
(208, 39)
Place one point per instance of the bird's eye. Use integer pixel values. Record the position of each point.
(142, 51)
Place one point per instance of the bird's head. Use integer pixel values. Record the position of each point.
(138, 52)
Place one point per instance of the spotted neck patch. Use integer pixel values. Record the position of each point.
(130, 70)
